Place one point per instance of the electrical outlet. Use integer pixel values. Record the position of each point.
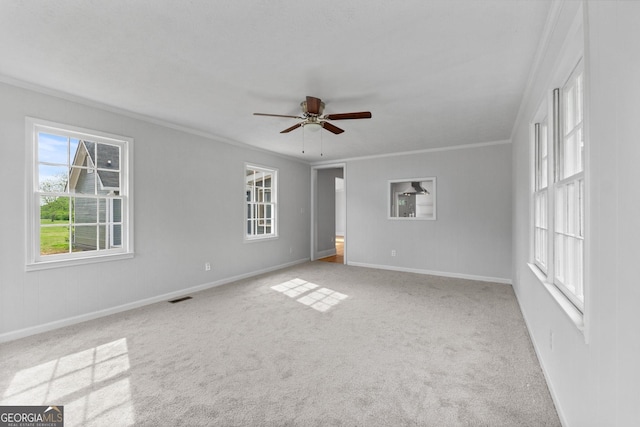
(290, 250)
(393, 252)
(207, 266)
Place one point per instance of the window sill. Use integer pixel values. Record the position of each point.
(259, 239)
(575, 315)
(412, 218)
(46, 265)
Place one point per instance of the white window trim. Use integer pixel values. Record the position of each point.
(34, 261)
(545, 275)
(543, 117)
(561, 182)
(571, 54)
(553, 185)
(575, 315)
(274, 200)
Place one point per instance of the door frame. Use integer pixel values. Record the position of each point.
(314, 219)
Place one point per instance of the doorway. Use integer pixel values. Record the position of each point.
(328, 223)
(338, 258)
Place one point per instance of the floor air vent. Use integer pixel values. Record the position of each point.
(173, 301)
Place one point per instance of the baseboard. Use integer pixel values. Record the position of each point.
(547, 379)
(33, 330)
(326, 253)
(433, 273)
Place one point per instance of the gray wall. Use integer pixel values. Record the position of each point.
(189, 209)
(594, 376)
(472, 234)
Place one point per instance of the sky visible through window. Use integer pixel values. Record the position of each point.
(55, 154)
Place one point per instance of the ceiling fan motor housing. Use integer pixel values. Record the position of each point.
(306, 112)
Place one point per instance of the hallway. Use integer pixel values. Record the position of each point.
(338, 258)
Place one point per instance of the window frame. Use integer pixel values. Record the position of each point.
(572, 241)
(260, 206)
(541, 193)
(34, 260)
(556, 183)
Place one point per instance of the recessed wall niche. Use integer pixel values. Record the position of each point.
(412, 199)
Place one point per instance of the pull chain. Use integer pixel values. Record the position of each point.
(303, 132)
(321, 149)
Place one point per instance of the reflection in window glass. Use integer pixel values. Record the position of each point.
(260, 190)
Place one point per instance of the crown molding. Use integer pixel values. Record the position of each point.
(414, 152)
(543, 45)
(137, 116)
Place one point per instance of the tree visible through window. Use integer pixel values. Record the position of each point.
(79, 196)
(261, 198)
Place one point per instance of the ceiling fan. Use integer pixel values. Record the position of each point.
(313, 118)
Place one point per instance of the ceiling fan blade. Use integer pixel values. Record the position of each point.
(313, 105)
(331, 128)
(349, 116)
(296, 126)
(277, 115)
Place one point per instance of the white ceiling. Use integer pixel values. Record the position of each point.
(433, 73)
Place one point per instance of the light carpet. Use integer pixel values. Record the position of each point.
(316, 344)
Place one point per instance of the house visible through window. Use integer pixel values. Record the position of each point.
(80, 194)
(261, 202)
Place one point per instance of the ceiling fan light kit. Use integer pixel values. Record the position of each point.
(313, 117)
(313, 126)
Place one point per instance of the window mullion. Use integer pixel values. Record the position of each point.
(552, 174)
(575, 177)
(70, 225)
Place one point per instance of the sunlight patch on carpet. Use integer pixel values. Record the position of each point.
(321, 299)
(92, 384)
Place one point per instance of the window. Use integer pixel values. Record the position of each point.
(261, 188)
(541, 195)
(568, 230)
(80, 199)
(558, 206)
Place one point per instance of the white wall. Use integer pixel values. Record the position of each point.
(594, 377)
(189, 209)
(472, 234)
